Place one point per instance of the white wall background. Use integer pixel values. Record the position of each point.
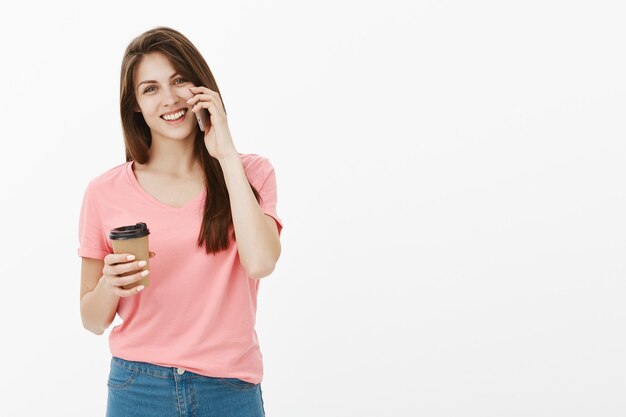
(450, 176)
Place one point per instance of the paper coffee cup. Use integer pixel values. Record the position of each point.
(133, 240)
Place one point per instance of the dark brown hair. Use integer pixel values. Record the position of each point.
(189, 63)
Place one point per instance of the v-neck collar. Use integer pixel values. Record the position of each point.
(153, 200)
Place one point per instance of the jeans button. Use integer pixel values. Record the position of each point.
(180, 371)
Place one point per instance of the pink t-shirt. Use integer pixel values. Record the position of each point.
(199, 311)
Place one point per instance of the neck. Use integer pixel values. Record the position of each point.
(172, 157)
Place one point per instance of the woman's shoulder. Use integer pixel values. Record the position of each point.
(108, 176)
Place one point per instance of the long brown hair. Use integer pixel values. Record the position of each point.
(187, 61)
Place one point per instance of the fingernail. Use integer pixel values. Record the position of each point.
(144, 273)
(142, 263)
(140, 288)
(130, 257)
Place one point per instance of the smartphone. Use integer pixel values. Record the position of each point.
(204, 119)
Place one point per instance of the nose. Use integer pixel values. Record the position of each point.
(170, 98)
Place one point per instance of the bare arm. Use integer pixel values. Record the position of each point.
(98, 304)
(258, 242)
(102, 287)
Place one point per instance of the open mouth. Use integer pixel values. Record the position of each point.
(175, 118)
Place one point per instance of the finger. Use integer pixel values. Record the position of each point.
(131, 291)
(152, 254)
(124, 268)
(201, 89)
(197, 108)
(121, 269)
(209, 105)
(130, 279)
(199, 97)
(116, 258)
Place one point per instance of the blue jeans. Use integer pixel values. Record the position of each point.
(140, 389)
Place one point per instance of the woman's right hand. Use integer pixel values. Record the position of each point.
(116, 264)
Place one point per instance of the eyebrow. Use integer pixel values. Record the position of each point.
(154, 81)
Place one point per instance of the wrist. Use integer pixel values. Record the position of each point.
(231, 165)
(230, 158)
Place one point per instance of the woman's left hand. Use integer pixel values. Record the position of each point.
(217, 139)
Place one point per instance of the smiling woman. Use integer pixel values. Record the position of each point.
(214, 232)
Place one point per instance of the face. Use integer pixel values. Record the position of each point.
(160, 92)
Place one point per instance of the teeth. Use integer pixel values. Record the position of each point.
(175, 116)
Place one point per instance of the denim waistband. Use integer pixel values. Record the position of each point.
(170, 372)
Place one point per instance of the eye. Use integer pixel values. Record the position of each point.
(178, 79)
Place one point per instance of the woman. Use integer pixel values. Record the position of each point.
(187, 344)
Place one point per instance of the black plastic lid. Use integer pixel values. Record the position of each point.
(129, 232)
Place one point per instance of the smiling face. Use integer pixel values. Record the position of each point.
(161, 91)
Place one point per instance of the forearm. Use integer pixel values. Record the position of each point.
(98, 308)
(257, 243)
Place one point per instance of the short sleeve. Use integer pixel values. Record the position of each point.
(91, 238)
(269, 195)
